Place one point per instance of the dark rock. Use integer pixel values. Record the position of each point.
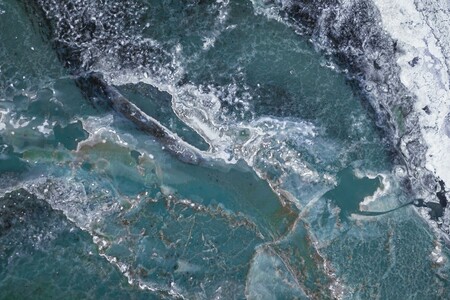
(426, 109)
(441, 194)
(414, 61)
(376, 65)
(18, 208)
(437, 211)
(442, 198)
(419, 203)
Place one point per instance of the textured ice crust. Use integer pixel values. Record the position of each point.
(396, 52)
(350, 33)
(422, 29)
(123, 56)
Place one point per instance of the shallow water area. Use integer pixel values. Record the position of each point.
(291, 162)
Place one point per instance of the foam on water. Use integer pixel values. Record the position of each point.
(219, 26)
(382, 199)
(271, 10)
(229, 139)
(44, 128)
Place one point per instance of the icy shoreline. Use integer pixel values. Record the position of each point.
(397, 54)
(424, 72)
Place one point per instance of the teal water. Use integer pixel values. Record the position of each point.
(92, 207)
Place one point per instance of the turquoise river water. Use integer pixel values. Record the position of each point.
(94, 207)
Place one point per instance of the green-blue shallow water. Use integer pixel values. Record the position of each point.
(93, 207)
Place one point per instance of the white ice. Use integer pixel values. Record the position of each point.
(421, 32)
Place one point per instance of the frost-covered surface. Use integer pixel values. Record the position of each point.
(397, 53)
(424, 72)
(351, 34)
(421, 28)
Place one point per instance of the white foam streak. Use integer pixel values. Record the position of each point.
(262, 7)
(127, 271)
(219, 26)
(383, 190)
(45, 128)
(3, 114)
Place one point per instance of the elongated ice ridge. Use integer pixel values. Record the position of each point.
(171, 142)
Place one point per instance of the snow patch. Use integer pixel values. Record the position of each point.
(424, 72)
(3, 114)
(45, 128)
(381, 191)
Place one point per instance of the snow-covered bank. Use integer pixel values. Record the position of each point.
(397, 54)
(418, 29)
